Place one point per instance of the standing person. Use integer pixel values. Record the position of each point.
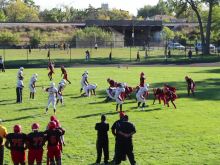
(20, 73)
(84, 80)
(32, 85)
(54, 149)
(2, 66)
(3, 134)
(141, 95)
(138, 57)
(96, 46)
(125, 144)
(64, 74)
(119, 97)
(19, 88)
(16, 143)
(48, 54)
(115, 128)
(142, 79)
(110, 56)
(35, 143)
(52, 90)
(102, 140)
(51, 70)
(60, 88)
(190, 54)
(87, 55)
(190, 86)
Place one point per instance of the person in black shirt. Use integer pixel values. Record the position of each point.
(115, 128)
(190, 85)
(125, 144)
(16, 142)
(35, 143)
(102, 140)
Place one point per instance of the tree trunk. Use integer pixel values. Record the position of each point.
(208, 28)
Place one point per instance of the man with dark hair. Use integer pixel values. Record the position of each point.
(102, 140)
(3, 134)
(125, 144)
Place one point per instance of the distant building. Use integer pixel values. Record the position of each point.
(105, 6)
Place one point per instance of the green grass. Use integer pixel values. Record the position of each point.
(38, 58)
(188, 135)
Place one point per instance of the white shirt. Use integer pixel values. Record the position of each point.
(91, 87)
(32, 80)
(61, 86)
(52, 91)
(1, 61)
(20, 74)
(84, 77)
(119, 91)
(20, 84)
(141, 91)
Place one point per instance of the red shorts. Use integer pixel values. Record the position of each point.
(35, 154)
(65, 77)
(18, 156)
(50, 72)
(54, 152)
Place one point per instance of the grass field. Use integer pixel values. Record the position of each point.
(189, 135)
(38, 58)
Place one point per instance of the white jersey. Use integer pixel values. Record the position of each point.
(84, 78)
(20, 74)
(61, 86)
(140, 95)
(32, 81)
(52, 92)
(91, 87)
(20, 84)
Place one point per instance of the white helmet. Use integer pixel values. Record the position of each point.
(147, 85)
(21, 68)
(52, 84)
(35, 75)
(86, 72)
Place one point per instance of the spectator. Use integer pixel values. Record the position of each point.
(96, 46)
(102, 140)
(110, 56)
(125, 133)
(3, 134)
(169, 53)
(138, 57)
(2, 66)
(87, 55)
(197, 50)
(190, 54)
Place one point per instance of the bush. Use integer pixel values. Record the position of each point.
(8, 38)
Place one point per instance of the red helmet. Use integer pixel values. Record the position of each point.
(52, 118)
(52, 125)
(62, 66)
(35, 126)
(186, 77)
(17, 128)
(121, 114)
(142, 73)
(108, 79)
(57, 123)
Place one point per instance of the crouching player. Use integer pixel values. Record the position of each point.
(159, 95)
(90, 89)
(119, 96)
(61, 87)
(170, 96)
(190, 86)
(35, 143)
(52, 90)
(16, 142)
(32, 86)
(111, 90)
(141, 95)
(53, 138)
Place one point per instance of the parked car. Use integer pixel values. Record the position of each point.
(176, 45)
(199, 47)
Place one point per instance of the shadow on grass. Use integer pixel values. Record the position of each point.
(6, 100)
(96, 114)
(26, 109)
(22, 118)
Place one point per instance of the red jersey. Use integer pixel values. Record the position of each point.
(50, 66)
(190, 83)
(17, 141)
(170, 88)
(54, 137)
(142, 81)
(36, 140)
(63, 70)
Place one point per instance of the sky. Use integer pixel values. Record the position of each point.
(129, 5)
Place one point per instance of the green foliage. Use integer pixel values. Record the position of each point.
(3, 17)
(18, 11)
(168, 34)
(35, 39)
(7, 37)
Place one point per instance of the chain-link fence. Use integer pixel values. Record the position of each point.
(90, 52)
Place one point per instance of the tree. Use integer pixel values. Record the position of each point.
(18, 11)
(3, 17)
(196, 7)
